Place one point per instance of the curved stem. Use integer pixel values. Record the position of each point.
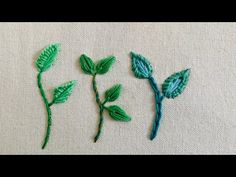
(101, 108)
(158, 99)
(47, 108)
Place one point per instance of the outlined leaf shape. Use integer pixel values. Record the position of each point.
(118, 114)
(62, 93)
(47, 57)
(113, 93)
(105, 64)
(87, 65)
(175, 84)
(141, 67)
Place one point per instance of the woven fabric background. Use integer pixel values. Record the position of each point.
(200, 121)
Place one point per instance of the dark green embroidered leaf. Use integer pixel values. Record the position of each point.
(104, 65)
(140, 66)
(175, 84)
(62, 93)
(87, 65)
(118, 114)
(113, 93)
(47, 57)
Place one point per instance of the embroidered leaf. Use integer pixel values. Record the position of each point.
(87, 65)
(175, 84)
(104, 65)
(47, 57)
(113, 93)
(140, 66)
(118, 114)
(62, 93)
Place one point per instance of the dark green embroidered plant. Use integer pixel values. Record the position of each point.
(60, 94)
(112, 94)
(171, 88)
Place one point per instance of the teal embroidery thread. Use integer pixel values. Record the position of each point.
(158, 100)
(60, 94)
(112, 94)
(173, 86)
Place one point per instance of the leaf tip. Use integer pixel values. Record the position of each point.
(113, 58)
(83, 55)
(119, 86)
(74, 81)
(132, 54)
(128, 119)
(56, 46)
(188, 70)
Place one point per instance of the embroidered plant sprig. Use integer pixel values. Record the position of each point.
(60, 94)
(173, 86)
(112, 94)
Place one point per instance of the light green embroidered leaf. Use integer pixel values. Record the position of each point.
(87, 65)
(175, 84)
(113, 93)
(104, 65)
(62, 93)
(141, 67)
(47, 57)
(118, 114)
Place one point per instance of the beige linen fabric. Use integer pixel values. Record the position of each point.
(202, 120)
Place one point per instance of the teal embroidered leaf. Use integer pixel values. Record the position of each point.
(62, 93)
(113, 93)
(104, 65)
(47, 57)
(175, 84)
(140, 66)
(87, 65)
(118, 114)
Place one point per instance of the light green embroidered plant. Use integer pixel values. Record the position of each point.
(112, 94)
(60, 94)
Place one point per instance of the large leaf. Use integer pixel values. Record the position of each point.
(118, 114)
(113, 93)
(47, 57)
(140, 66)
(104, 65)
(62, 93)
(87, 65)
(175, 84)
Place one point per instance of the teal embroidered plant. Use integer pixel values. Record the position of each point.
(171, 88)
(60, 94)
(112, 94)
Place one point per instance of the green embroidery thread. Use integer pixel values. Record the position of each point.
(173, 86)
(60, 94)
(112, 94)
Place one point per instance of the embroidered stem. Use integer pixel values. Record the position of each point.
(101, 109)
(101, 120)
(158, 99)
(47, 105)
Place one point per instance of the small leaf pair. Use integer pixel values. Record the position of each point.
(112, 94)
(101, 67)
(173, 86)
(60, 94)
(115, 111)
